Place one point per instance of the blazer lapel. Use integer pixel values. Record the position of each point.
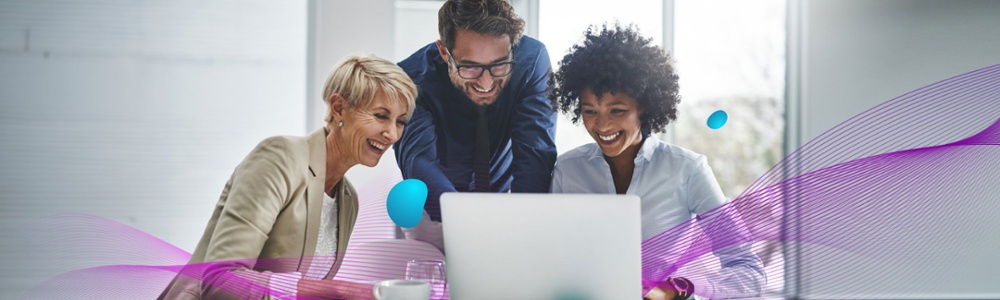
(314, 200)
(347, 215)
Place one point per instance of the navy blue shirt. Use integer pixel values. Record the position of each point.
(438, 143)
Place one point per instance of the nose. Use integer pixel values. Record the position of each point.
(486, 80)
(392, 133)
(602, 123)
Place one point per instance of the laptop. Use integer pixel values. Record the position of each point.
(542, 246)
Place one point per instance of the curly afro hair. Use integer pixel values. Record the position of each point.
(617, 59)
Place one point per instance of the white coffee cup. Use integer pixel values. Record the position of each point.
(402, 290)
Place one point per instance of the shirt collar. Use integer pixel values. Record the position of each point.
(646, 151)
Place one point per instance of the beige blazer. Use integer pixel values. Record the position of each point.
(269, 209)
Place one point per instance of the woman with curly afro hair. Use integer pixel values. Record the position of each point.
(624, 89)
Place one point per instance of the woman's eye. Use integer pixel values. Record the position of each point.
(381, 116)
(401, 123)
(617, 111)
(589, 111)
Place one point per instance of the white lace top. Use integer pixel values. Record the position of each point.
(326, 244)
(322, 260)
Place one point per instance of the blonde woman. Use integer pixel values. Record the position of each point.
(283, 221)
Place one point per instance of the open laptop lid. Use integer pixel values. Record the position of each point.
(542, 246)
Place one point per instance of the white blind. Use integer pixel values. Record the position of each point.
(137, 111)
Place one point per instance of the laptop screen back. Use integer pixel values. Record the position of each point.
(542, 246)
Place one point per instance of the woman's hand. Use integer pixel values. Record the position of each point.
(355, 291)
(335, 289)
(660, 294)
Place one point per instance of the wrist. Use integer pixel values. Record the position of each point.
(681, 285)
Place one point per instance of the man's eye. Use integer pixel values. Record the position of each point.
(589, 112)
(617, 111)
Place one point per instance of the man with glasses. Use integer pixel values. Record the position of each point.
(483, 121)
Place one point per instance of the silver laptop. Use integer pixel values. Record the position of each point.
(542, 246)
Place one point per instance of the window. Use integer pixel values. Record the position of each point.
(730, 56)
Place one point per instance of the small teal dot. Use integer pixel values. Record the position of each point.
(717, 119)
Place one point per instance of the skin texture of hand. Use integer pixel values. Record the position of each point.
(660, 294)
(334, 289)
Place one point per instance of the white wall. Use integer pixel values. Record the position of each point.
(137, 111)
(341, 28)
(846, 56)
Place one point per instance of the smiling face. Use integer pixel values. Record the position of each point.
(612, 120)
(473, 49)
(369, 130)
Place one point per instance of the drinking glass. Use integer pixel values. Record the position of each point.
(430, 271)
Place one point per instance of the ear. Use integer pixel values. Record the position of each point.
(337, 107)
(442, 50)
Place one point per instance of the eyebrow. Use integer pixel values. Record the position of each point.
(384, 109)
(616, 102)
(498, 60)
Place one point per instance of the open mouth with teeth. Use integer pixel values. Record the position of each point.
(608, 139)
(377, 147)
(484, 91)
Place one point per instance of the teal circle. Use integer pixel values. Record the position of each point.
(405, 203)
(717, 119)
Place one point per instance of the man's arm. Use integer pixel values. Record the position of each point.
(533, 132)
(416, 155)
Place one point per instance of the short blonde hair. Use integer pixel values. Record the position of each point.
(358, 78)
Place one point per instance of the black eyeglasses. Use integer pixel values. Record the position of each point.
(475, 71)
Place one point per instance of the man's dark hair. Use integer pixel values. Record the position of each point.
(492, 17)
(617, 59)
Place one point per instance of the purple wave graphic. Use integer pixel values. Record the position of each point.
(886, 185)
(913, 178)
(105, 259)
(144, 281)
